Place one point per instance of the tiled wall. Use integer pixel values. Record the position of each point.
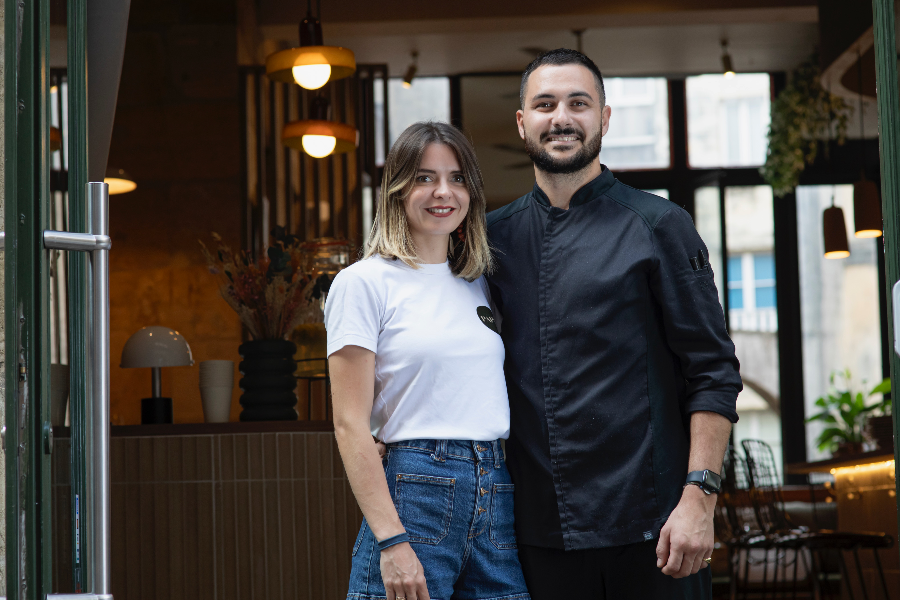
(228, 516)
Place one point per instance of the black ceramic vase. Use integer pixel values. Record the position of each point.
(268, 380)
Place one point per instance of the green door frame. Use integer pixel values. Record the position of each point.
(889, 150)
(79, 292)
(26, 200)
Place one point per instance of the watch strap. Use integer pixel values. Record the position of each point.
(709, 481)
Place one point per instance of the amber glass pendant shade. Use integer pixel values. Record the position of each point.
(119, 182)
(835, 233)
(867, 209)
(311, 67)
(315, 137)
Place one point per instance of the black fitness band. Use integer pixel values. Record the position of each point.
(393, 541)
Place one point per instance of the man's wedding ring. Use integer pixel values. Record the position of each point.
(706, 560)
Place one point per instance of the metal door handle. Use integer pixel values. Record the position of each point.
(96, 502)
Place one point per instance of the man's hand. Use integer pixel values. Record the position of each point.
(687, 537)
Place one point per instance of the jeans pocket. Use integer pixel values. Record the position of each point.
(425, 506)
(503, 530)
(359, 538)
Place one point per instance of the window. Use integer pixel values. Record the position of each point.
(750, 248)
(840, 312)
(751, 289)
(728, 119)
(638, 136)
(427, 99)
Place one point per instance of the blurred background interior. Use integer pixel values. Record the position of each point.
(208, 139)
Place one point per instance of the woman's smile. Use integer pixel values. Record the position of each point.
(440, 211)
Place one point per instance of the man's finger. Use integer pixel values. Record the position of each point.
(673, 565)
(697, 564)
(662, 548)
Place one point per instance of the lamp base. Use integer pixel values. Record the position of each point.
(156, 411)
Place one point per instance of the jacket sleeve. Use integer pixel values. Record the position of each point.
(693, 318)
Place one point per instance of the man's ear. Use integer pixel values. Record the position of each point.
(520, 116)
(605, 114)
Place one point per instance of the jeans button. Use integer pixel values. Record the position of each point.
(481, 510)
(483, 491)
(483, 472)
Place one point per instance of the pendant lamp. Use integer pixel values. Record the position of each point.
(835, 232)
(727, 66)
(318, 136)
(119, 182)
(313, 64)
(866, 199)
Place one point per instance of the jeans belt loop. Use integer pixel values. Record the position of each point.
(440, 449)
(496, 448)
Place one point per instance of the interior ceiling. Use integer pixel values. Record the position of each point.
(635, 37)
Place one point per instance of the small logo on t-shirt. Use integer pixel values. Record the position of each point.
(487, 317)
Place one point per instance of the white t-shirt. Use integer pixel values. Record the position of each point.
(438, 356)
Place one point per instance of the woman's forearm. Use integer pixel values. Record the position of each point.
(366, 475)
(353, 391)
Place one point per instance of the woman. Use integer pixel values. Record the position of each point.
(417, 362)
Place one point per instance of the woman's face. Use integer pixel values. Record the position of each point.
(439, 199)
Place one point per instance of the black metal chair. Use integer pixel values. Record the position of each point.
(737, 527)
(768, 503)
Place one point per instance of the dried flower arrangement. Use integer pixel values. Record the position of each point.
(271, 294)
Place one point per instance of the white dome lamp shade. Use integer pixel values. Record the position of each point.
(156, 347)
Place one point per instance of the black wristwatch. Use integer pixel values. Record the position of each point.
(706, 480)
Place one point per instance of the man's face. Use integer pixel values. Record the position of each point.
(563, 121)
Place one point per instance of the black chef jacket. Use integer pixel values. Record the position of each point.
(613, 338)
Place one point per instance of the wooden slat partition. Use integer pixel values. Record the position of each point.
(229, 516)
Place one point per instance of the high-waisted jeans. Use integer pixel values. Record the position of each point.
(455, 499)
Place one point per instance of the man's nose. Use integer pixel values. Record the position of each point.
(561, 117)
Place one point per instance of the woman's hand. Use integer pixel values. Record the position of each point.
(403, 574)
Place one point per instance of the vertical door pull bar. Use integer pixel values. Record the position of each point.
(96, 242)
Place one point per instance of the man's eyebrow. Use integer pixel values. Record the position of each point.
(549, 96)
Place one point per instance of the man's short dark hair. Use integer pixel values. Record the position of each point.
(563, 56)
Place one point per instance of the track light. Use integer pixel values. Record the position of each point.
(411, 70)
(727, 66)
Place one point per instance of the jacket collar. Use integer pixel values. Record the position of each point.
(589, 191)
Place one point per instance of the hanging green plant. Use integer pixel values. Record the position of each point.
(803, 115)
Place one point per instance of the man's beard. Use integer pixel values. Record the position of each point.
(590, 151)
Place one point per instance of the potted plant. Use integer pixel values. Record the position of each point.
(880, 426)
(272, 295)
(844, 414)
(803, 115)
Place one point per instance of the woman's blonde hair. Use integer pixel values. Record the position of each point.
(390, 237)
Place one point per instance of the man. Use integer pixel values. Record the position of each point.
(622, 379)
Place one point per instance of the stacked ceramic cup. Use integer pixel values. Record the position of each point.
(216, 384)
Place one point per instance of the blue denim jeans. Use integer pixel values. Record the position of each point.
(455, 499)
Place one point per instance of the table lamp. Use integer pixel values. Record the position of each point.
(156, 347)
